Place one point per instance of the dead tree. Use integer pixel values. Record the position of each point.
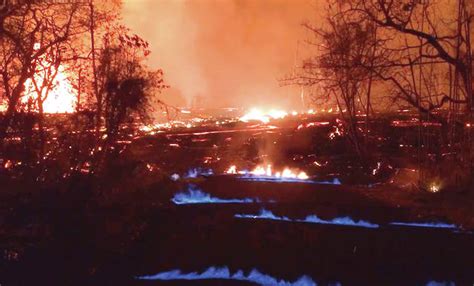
(128, 87)
(410, 37)
(23, 27)
(344, 51)
(420, 55)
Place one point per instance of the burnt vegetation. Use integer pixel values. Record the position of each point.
(374, 57)
(107, 76)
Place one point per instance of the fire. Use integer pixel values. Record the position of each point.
(434, 188)
(267, 172)
(257, 114)
(61, 98)
(232, 170)
(3, 107)
(312, 124)
(336, 133)
(265, 117)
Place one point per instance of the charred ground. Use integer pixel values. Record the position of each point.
(110, 227)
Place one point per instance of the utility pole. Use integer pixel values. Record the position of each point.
(369, 89)
(94, 68)
(421, 144)
(303, 102)
(295, 60)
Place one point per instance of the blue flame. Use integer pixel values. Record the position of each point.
(196, 196)
(426, 224)
(264, 214)
(335, 181)
(254, 276)
(347, 221)
(174, 177)
(340, 221)
(263, 178)
(444, 283)
(246, 175)
(196, 172)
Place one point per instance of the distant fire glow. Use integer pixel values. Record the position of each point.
(265, 117)
(268, 172)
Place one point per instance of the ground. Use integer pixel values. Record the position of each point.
(112, 229)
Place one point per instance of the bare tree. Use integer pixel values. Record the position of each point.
(416, 35)
(28, 31)
(345, 48)
(126, 84)
(102, 16)
(421, 54)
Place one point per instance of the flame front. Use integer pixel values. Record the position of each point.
(265, 117)
(60, 97)
(267, 171)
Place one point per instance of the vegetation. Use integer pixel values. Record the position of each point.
(44, 45)
(412, 53)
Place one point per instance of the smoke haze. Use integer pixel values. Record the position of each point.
(227, 52)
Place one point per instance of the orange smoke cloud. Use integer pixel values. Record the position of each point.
(228, 52)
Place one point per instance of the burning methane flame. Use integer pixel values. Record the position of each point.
(194, 195)
(267, 172)
(223, 273)
(344, 221)
(265, 117)
(59, 97)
